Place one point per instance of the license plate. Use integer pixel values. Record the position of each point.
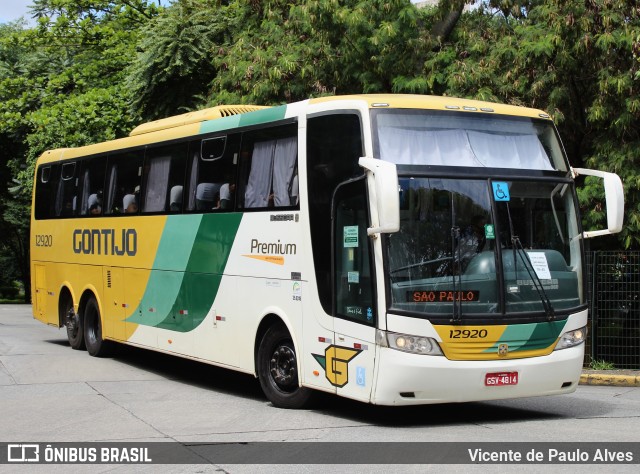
(501, 378)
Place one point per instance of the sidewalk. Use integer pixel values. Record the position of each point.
(618, 378)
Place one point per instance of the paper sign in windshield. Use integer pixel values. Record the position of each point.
(350, 236)
(540, 265)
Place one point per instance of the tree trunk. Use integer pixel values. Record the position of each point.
(442, 29)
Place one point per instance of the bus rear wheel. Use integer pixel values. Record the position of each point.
(278, 370)
(73, 323)
(96, 345)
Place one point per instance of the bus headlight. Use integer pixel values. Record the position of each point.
(572, 338)
(409, 343)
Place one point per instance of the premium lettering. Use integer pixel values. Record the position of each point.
(272, 248)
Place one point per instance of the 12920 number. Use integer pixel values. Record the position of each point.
(44, 240)
(468, 334)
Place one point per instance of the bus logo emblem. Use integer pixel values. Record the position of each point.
(503, 350)
(335, 363)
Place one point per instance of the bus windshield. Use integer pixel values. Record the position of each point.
(423, 137)
(470, 247)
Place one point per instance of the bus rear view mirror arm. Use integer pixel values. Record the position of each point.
(614, 195)
(385, 206)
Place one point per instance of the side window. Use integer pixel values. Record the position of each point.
(269, 168)
(46, 186)
(164, 178)
(66, 204)
(124, 174)
(334, 145)
(91, 193)
(212, 173)
(353, 275)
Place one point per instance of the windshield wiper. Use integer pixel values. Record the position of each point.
(518, 249)
(537, 282)
(456, 268)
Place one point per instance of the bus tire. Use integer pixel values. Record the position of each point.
(96, 345)
(278, 370)
(73, 323)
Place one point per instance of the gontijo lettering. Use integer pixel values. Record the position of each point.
(105, 242)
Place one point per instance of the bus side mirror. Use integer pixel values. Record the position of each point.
(614, 195)
(387, 196)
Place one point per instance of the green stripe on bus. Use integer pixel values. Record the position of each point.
(529, 337)
(217, 125)
(175, 246)
(263, 116)
(243, 120)
(183, 285)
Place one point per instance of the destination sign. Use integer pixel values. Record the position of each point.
(442, 296)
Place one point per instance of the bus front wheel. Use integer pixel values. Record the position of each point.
(278, 370)
(96, 345)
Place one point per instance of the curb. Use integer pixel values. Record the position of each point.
(610, 380)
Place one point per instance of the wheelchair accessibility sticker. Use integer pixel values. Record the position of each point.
(501, 191)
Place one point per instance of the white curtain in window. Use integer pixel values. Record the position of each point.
(259, 185)
(532, 153)
(86, 183)
(419, 147)
(509, 151)
(111, 191)
(157, 184)
(462, 148)
(193, 181)
(284, 165)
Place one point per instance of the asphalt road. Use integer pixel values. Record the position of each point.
(51, 393)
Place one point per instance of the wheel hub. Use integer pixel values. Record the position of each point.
(283, 367)
(72, 320)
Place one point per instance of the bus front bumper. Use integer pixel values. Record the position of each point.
(410, 379)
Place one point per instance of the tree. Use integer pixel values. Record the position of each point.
(574, 59)
(17, 96)
(61, 84)
(173, 68)
(285, 52)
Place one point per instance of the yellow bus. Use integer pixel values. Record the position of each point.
(393, 249)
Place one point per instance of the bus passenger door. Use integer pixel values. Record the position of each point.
(352, 363)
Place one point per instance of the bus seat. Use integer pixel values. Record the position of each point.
(205, 196)
(129, 204)
(94, 205)
(175, 199)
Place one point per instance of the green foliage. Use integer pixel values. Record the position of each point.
(64, 81)
(96, 115)
(285, 52)
(61, 84)
(173, 67)
(601, 365)
(579, 61)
